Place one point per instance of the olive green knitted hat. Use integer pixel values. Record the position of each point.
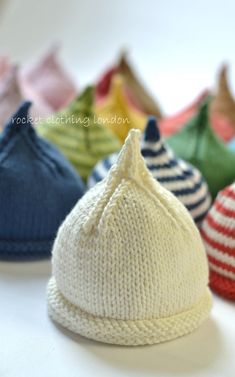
(77, 133)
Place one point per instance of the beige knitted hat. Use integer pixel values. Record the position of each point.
(129, 266)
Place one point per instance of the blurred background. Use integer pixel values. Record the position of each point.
(176, 46)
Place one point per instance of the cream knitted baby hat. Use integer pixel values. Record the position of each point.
(129, 266)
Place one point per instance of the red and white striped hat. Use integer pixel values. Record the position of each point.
(218, 232)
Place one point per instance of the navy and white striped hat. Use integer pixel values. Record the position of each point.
(179, 177)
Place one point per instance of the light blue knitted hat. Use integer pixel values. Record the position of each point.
(179, 177)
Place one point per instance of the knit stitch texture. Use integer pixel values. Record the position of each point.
(78, 134)
(181, 178)
(218, 232)
(38, 189)
(129, 266)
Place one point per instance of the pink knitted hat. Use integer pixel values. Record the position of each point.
(11, 97)
(49, 80)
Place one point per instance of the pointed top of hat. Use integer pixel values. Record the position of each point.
(87, 96)
(130, 163)
(223, 78)
(49, 79)
(10, 95)
(140, 94)
(5, 65)
(223, 74)
(117, 87)
(18, 124)
(20, 120)
(152, 132)
(48, 60)
(224, 103)
(83, 102)
(50, 56)
(123, 60)
(202, 116)
(223, 89)
(130, 166)
(199, 131)
(9, 88)
(9, 83)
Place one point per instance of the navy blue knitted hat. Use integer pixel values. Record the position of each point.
(38, 188)
(179, 177)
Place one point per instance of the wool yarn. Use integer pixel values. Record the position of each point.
(218, 232)
(181, 178)
(38, 188)
(198, 144)
(129, 266)
(78, 134)
(49, 80)
(116, 113)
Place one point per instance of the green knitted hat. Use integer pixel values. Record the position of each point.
(76, 132)
(197, 143)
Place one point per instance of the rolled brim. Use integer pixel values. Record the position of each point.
(125, 332)
(222, 285)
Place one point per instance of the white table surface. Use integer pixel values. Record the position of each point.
(33, 346)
